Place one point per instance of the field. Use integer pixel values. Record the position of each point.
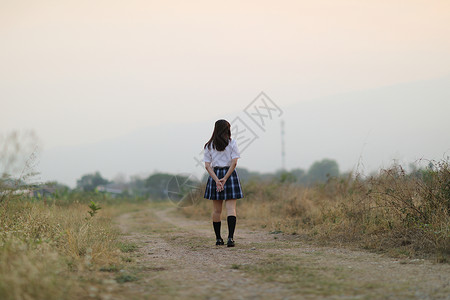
(381, 237)
(405, 215)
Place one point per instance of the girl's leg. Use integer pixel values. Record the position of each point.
(217, 212)
(231, 207)
(231, 219)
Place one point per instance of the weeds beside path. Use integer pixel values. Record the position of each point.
(173, 257)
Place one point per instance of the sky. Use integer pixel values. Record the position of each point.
(80, 72)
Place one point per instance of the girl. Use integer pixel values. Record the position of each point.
(220, 157)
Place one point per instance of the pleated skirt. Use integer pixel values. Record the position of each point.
(231, 190)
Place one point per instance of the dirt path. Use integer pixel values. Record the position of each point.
(176, 258)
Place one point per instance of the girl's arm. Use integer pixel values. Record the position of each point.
(212, 174)
(230, 170)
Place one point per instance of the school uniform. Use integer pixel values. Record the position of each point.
(221, 161)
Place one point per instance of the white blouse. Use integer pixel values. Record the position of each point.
(222, 158)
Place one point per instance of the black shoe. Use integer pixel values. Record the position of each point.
(230, 242)
(219, 242)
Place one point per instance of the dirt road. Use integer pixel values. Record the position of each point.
(176, 258)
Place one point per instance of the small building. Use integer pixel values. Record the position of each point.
(113, 189)
(43, 191)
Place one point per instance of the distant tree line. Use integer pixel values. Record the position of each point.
(157, 184)
(319, 172)
(154, 186)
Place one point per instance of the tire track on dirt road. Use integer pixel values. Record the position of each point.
(177, 258)
(191, 266)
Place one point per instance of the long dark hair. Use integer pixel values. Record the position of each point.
(221, 135)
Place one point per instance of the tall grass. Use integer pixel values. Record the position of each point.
(51, 247)
(45, 249)
(404, 214)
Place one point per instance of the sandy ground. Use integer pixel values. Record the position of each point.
(176, 258)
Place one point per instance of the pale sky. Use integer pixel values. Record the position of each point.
(78, 72)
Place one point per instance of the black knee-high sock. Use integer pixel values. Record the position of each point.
(216, 226)
(231, 220)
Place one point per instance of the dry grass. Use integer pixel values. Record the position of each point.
(403, 214)
(52, 252)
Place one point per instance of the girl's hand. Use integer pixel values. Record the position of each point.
(223, 180)
(219, 186)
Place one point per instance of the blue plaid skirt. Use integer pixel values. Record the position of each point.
(231, 190)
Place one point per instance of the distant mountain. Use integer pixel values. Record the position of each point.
(372, 127)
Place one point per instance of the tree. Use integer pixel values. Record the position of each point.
(157, 184)
(245, 175)
(90, 182)
(299, 174)
(320, 171)
(284, 176)
(287, 177)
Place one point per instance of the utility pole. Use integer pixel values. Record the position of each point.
(283, 154)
